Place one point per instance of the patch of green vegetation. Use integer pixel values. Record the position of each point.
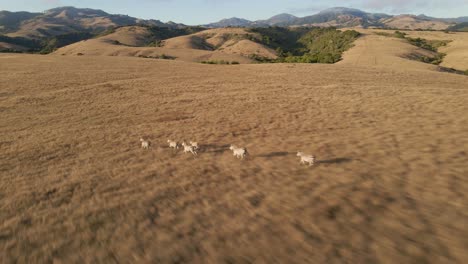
(306, 45)
(284, 40)
(400, 34)
(51, 44)
(385, 34)
(436, 60)
(326, 45)
(432, 45)
(396, 34)
(158, 34)
(105, 32)
(10, 51)
(460, 27)
(261, 59)
(220, 62)
(30, 44)
(155, 43)
(46, 45)
(162, 56)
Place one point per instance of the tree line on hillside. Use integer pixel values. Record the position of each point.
(158, 34)
(431, 45)
(45, 45)
(306, 45)
(461, 27)
(49, 44)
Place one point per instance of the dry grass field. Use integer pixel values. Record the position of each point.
(413, 22)
(385, 52)
(389, 185)
(456, 50)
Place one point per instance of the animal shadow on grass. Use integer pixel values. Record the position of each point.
(213, 148)
(275, 154)
(334, 161)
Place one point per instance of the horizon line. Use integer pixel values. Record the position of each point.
(233, 17)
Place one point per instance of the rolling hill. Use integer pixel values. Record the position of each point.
(10, 21)
(415, 22)
(462, 27)
(228, 40)
(311, 45)
(228, 44)
(44, 32)
(273, 45)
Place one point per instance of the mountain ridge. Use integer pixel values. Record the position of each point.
(67, 19)
(96, 19)
(350, 17)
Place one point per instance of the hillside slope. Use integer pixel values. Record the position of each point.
(230, 44)
(456, 50)
(461, 27)
(12, 47)
(129, 36)
(239, 44)
(10, 21)
(388, 51)
(381, 51)
(412, 22)
(228, 40)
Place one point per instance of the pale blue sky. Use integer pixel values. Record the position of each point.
(206, 11)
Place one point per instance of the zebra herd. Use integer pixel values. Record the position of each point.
(241, 153)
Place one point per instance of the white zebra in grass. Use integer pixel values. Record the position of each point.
(194, 144)
(238, 152)
(189, 149)
(144, 143)
(173, 144)
(306, 158)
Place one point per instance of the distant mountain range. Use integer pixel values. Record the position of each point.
(70, 20)
(347, 17)
(64, 20)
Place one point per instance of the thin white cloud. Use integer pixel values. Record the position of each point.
(399, 6)
(387, 6)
